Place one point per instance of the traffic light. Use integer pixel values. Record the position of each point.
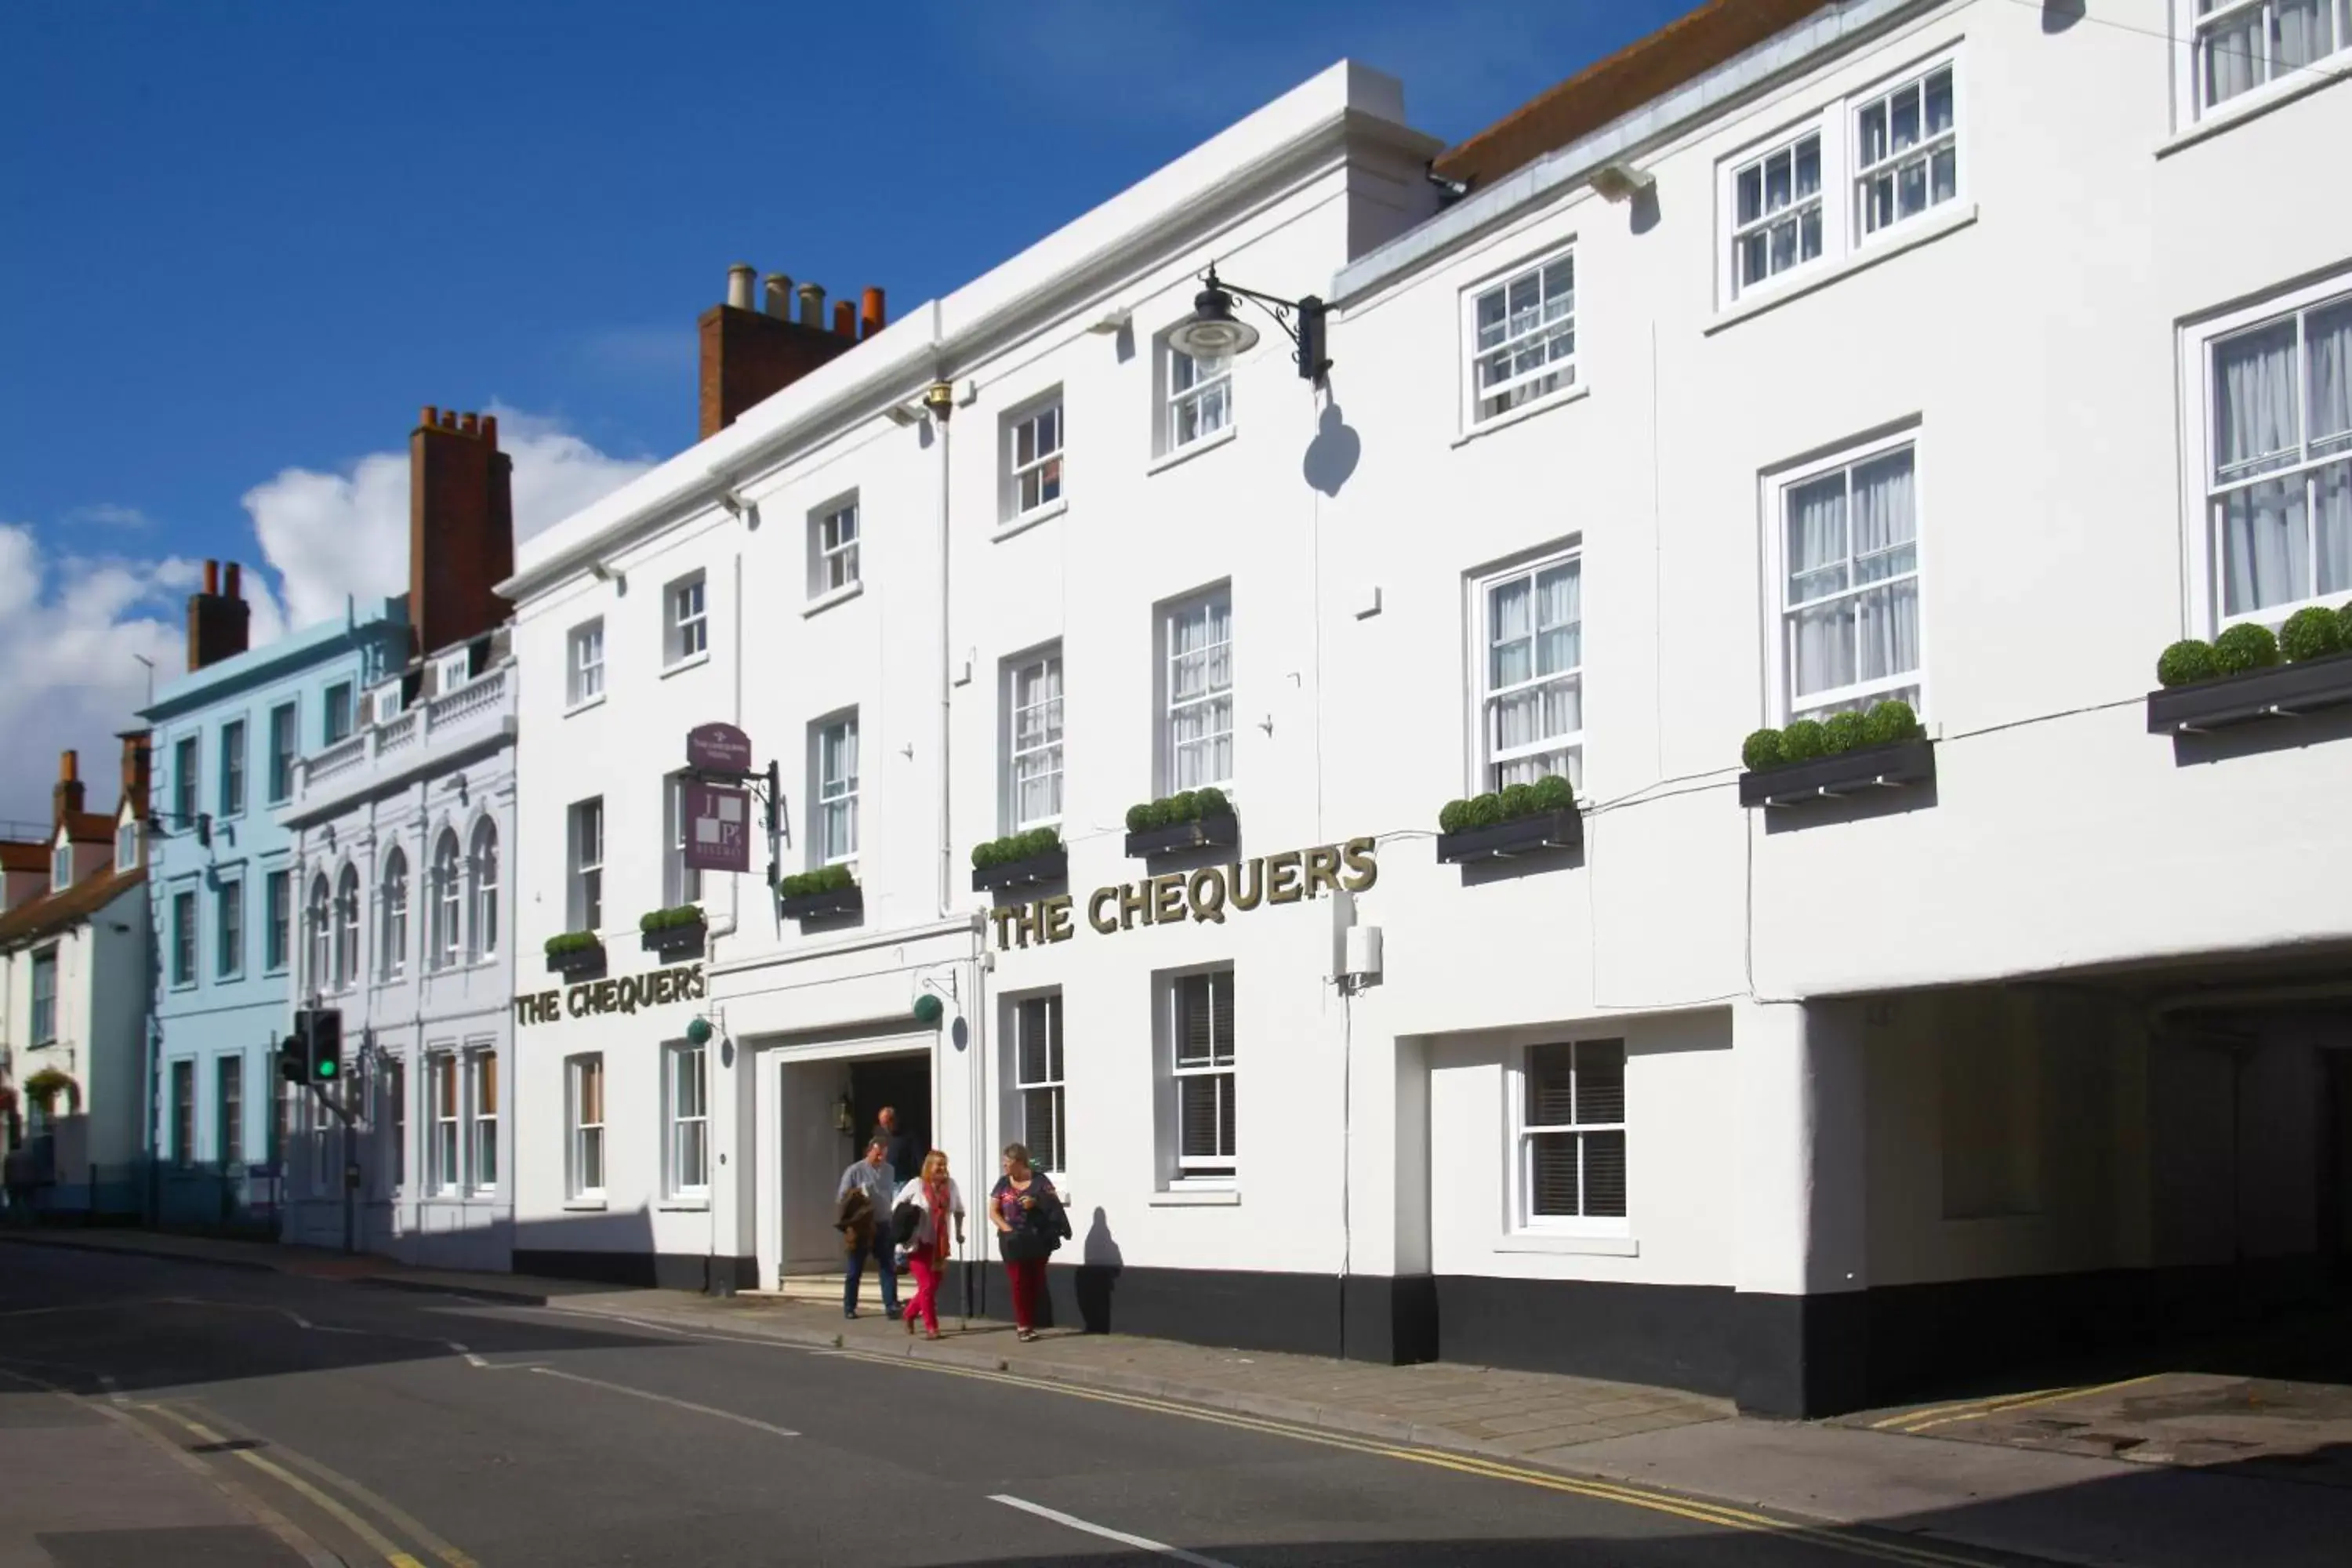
(315, 1052)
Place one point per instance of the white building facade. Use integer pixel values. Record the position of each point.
(1964, 354)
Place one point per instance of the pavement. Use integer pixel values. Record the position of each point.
(658, 1413)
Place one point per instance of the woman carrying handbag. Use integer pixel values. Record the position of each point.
(924, 1207)
(1030, 1225)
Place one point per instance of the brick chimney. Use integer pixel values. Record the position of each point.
(460, 527)
(66, 799)
(135, 777)
(748, 356)
(219, 620)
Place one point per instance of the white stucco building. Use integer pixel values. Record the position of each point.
(1964, 352)
(399, 832)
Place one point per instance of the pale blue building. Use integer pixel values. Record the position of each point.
(228, 740)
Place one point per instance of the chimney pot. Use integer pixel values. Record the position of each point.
(813, 306)
(490, 430)
(471, 423)
(739, 285)
(211, 577)
(68, 766)
(777, 296)
(431, 415)
(448, 419)
(871, 313)
(230, 583)
(845, 320)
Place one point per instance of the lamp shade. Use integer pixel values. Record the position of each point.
(697, 1031)
(1213, 331)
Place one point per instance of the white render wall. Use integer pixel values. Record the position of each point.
(101, 978)
(2033, 336)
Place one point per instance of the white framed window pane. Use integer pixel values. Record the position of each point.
(1851, 611)
(1524, 332)
(587, 913)
(689, 1112)
(836, 555)
(1037, 743)
(587, 671)
(1200, 699)
(1573, 1138)
(1200, 398)
(1777, 208)
(482, 868)
(483, 1093)
(1534, 697)
(1037, 1078)
(587, 1097)
(1037, 459)
(689, 626)
(2281, 505)
(837, 791)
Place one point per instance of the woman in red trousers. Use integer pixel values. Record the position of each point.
(935, 1193)
(1027, 1214)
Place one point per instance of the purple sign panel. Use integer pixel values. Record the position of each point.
(718, 827)
(719, 749)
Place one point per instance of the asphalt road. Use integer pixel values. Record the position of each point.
(388, 1427)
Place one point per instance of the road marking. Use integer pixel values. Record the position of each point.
(438, 1547)
(663, 1399)
(1983, 1408)
(382, 1544)
(1070, 1521)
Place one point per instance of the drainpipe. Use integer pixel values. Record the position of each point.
(939, 398)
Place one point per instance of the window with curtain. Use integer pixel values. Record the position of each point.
(347, 928)
(1572, 1139)
(448, 894)
(1776, 224)
(1038, 1079)
(1523, 337)
(442, 1120)
(585, 1095)
(586, 903)
(482, 1117)
(832, 549)
(1201, 1025)
(482, 870)
(322, 934)
(2237, 46)
(2279, 490)
(836, 791)
(1533, 704)
(396, 914)
(1200, 398)
(1850, 608)
(688, 1171)
(1036, 740)
(1200, 694)
(1907, 152)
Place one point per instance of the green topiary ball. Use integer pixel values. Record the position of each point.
(1043, 841)
(2312, 633)
(1554, 793)
(1803, 741)
(1889, 721)
(1213, 802)
(1844, 733)
(1184, 806)
(2344, 624)
(1519, 800)
(2245, 648)
(1139, 816)
(1762, 750)
(2187, 663)
(1485, 810)
(1454, 817)
(983, 855)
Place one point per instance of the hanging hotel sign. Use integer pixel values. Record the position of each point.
(718, 827)
(719, 749)
(618, 993)
(1205, 896)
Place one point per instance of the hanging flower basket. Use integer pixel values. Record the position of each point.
(43, 1087)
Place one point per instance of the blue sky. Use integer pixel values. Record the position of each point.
(245, 238)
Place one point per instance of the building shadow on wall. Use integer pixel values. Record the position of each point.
(2261, 737)
(1863, 805)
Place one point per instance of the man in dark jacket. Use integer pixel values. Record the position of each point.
(905, 1160)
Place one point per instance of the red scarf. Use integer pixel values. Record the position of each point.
(934, 1197)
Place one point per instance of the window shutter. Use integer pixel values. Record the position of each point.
(1551, 1086)
(1601, 1081)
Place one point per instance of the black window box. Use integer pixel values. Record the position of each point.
(1848, 773)
(1534, 834)
(677, 941)
(1051, 867)
(1209, 833)
(849, 900)
(2281, 692)
(576, 961)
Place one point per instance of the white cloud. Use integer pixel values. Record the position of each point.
(73, 625)
(329, 535)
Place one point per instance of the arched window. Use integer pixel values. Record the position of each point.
(396, 914)
(347, 928)
(315, 917)
(448, 892)
(482, 867)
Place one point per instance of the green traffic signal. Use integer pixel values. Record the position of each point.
(326, 1070)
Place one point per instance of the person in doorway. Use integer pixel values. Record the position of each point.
(934, 1199)
(1030, 1223)
(903, 1155)
(869, 1179)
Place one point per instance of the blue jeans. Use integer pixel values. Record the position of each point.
(879, 1250)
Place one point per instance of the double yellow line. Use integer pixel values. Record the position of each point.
(314, 1490)
(1935, 1415)
(1721, 1515)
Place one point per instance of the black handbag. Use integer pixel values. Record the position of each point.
(1023, 1244)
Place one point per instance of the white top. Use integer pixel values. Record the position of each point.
(925, 1228)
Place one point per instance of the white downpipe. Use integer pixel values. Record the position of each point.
(947, 674)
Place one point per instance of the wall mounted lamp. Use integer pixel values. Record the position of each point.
(1619, 182)
(1214, 332)
(844, 1117)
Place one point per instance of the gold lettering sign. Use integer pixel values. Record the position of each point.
(626, 993)
(1202, 897)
